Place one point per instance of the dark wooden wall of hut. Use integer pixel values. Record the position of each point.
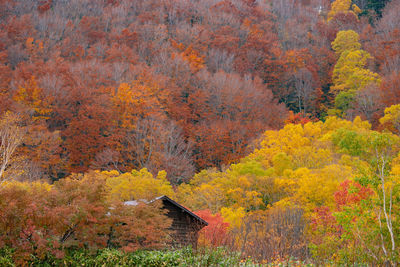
(185, 230)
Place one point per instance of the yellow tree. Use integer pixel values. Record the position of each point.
(307, 168)
(343, 6)
(242, 185)
(346, 40)
(315, 188)
(137, 185)
(392, 117)
(350, 73)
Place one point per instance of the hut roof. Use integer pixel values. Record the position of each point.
(165, 198)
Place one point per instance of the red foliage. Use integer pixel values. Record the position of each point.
(216, 232)
(351, 192)
(299, 118)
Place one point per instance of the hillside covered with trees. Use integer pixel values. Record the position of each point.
(277, 121)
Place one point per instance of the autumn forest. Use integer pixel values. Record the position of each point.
(276, 121)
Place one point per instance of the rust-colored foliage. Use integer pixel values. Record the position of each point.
(177, 57)
(91, 79)
(40, 219)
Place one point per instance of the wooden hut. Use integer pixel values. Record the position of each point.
(185, 225)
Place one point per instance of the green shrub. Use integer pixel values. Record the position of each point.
(143, 258)
(6, 257)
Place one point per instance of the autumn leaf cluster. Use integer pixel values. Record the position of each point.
(39, 220)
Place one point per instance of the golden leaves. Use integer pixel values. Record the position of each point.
(343, 6)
